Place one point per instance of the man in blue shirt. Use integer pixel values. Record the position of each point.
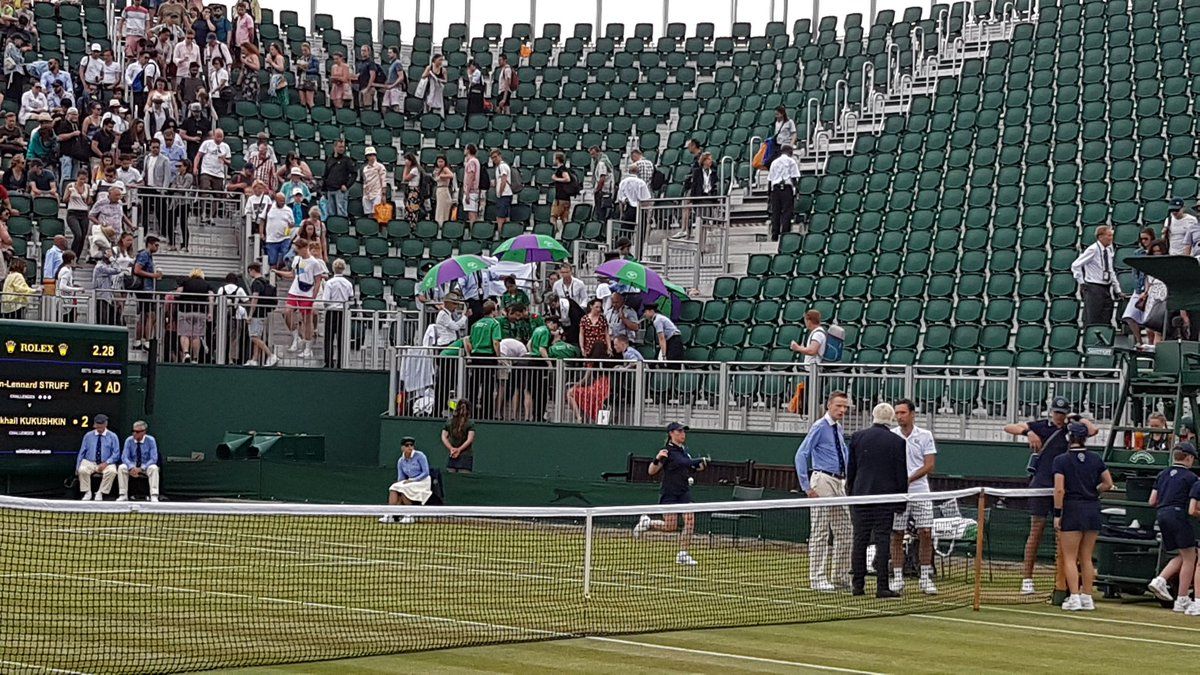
(139, 458)
(52, 262)
(1173, 495)
(100, 452)
(413, 483)
(676, 466)
(1047, 440)
(821, 462)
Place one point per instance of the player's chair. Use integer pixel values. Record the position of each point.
(955, 535)
(741, 493)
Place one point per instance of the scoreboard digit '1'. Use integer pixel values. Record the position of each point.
(54, 379)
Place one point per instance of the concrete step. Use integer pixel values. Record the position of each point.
(179, 263)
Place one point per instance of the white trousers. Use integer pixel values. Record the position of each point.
(87, 468)
(151, 475)
(829, 538)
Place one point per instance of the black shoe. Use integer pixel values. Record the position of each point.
(857, 591)
(886, 594)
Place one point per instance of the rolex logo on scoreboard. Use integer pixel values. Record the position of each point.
(62, 349)
(10, 346)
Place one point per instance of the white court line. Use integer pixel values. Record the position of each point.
(727, 655)
(1044, 629)
(1082, 616)
(47, 669)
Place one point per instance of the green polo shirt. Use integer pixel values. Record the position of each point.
(453, 349)
(564, 350)
(482, 333)
(518, 330)
(539, 339)
(519, 298)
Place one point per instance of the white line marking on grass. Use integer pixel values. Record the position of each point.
(1080, 616)
(1044, 629)
(48, 669)
(726, 655)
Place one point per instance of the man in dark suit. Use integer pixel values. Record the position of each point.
(877, 467)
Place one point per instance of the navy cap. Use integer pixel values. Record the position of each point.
(676, 426)
(1060, 404)
(1188, 423)
(1177, 202)
(1077, 430)
(408, 439)
(1187, 449)
(100, 419)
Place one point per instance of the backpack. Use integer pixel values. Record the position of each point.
(427, 186)
(514, 180)
(514, 81)
(835, 342)
(658, 180)
(268, 294)
(485, 179)
(573, 188)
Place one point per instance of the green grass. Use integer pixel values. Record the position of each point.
(178, 593)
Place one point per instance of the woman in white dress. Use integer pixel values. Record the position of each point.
(435, 85)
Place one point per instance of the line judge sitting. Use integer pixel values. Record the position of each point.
(413, 483)
(100, 452)
(139, 458)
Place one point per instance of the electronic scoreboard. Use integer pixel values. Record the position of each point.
(54, 379)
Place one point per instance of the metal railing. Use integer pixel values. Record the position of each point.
(212, 224)
(961, 402)
(702, 255)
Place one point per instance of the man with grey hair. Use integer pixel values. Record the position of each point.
(139, 457)
(877, 466)
(1098, 283)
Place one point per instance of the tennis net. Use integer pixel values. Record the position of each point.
(168, 587)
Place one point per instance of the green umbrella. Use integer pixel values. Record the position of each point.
(531, 248)
(676, 290)
(450, 269)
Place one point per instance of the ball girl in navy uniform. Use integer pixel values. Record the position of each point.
(1175, 494)
(1079, 477)
(676, 466)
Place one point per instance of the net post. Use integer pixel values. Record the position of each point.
(587, 557)
(981, 521)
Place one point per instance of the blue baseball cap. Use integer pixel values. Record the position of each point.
(1177, 202)
(1077, 430)
(1060, 404)
(1187, 449)
(676, 426)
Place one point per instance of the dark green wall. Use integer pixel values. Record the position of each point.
(195, 405)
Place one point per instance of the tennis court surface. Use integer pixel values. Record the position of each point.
(189, 587)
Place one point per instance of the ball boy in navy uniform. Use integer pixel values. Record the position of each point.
(676, 466)
(1080, 475)
(1175, 494)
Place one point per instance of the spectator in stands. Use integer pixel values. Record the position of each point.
(339, 176)
(1131, 317)
(1048, 439)
(33, 102)
(622, 319)
(367, 77)
(139, 458)
(782, 178)
(278, 225)
(814, 351)
(474, 86)
(670, 344)
(446, 190)
(105, 278)
(250, 60)
(312, 229)
(512, 294)
(12, 137)
(504, 189)
(296, 174)
(16, 180)
(99, 453)
(51, 262)
(785, 128)
(232, 298)
(411, 180)
(119, 116)
(185, 55)
(1146, 309)
(181, 207)
(676, 465)
(395, 85)
(1178, 227)
(605, 182)
(307, 274)
(458, 437)
(195, 128)
(147, 275)
(473, 176)
(374, 182)
(644, 168)
(66, 290)
(340, 79)
(262, 298)
(450, 323)
(560, 211)
(570, 287)
(338, 293)
(16, 293)
(1174, 496)
(504, 84)
(133, 27)
(632, 191)
(593, 331)
(77, 198)
(588, 396)
(413, 482)
(434, 78)
(277, 83)
(127, 174)
(194, 298)
(72, 144)
(1097, 278)
(245, 33)
(212, 162)
(1080, 475)
(14, 64)
(141, 76)
(702, 187)
(91, 73)
(104, 144)
(821, 462)
(308, 75)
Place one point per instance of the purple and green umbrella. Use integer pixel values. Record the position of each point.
(531, 248)
(671, 303)
(634, 274)
(451, 269)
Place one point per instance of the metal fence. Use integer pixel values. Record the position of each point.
(963, 402)
(685, 239)
(206, 223)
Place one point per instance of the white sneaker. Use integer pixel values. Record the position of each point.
(1193, 609)
(407, 520)
(99, 497)
(1158, 586)
(1072, 604)
(684, 559)
(122, 498)
(87, 497)
(253, 363)
(682, 234)
(927, 586)
(1182, 604)
(295, 347)
(1086, 603)
(896, 585)
(387, 520)
(822, 586)
(643, 524)
(1027, 587)
(307, 353)
(154, 499)
(271, 360)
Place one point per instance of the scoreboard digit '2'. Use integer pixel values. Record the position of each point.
(54, 379)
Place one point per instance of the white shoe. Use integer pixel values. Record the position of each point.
(271, 360)
(927, 586)
(99, 497)
(684, 559)
(407, 520)
(1027, 587)
(307, 353)
(295, 344)
(1158, 586)
(253, 363)
(682, 234)
(1071, 604)
(822, 586)
(1193, 609)
(122, 498)
(387, 520)
(643, 524)
(1086, 603)
(154, 499)
(896, 585)
(1182, 604)
(87, 497)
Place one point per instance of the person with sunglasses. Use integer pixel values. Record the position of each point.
(413, 482)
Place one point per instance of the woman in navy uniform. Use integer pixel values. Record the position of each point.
(1175, 494)
(1079, 477)
(676, 466)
